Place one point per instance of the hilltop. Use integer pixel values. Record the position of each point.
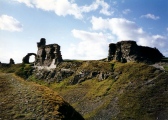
(130, 84)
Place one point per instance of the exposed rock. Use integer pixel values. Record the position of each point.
(126, 51)
(75, 77)
(53, 75)
(93, 74)
(11, 61)
(62, 74)
(103, 76)
(48, 55)
(26, 58)
(41, 43)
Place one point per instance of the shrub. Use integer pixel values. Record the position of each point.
(24, 71)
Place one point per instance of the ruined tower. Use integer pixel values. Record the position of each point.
(126, 51)
(48, 55)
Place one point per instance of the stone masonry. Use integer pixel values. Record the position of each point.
(48, 54)
(126, 51)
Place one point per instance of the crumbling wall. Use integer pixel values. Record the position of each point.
(126, 51)
(27, 57)
(11, 61)
(48, 54)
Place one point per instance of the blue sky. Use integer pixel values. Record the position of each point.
(83, 28)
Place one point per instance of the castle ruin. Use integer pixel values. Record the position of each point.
(126, 51)
(47, 55)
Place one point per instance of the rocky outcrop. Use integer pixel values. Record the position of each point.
(126, 51)
(47, 55)
(75, 77)
(76, 73)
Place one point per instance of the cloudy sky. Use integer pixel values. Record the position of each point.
(83, 28)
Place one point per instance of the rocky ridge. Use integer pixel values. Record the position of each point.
(77, 72)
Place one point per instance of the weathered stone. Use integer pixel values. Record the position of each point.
(61, 74)
(103, 76)
(75, 79)
(41, 43)
(51, 74)
(26, 58)
(126, 51)
(112, 50)
(11, 61)
(48, 55)
(80, 77)
(94, 74)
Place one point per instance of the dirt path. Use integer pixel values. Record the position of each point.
(22, 100)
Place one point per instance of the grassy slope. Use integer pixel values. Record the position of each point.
(139, 93)
(22, 100)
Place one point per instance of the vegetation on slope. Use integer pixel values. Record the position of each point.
(139, 91)
(22, 100)
(9, 68)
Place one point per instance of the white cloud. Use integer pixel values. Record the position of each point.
(88, 8)
(105, 7)
(124, 29)
(94, 45)
(126, 11)
(65, 7)
(118, 26)
(9, 23)
(95, 5)
(150, 16)
(60, 7)
(27, 2)
(91, 45)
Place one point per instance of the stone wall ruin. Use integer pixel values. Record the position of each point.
(126, 51)
(48, 55)
(26, 58)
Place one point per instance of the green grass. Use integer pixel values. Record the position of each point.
(166, 68)
(27, 100)
(135, 100)
(24, 71)
(10, 68)
(139, 92)
(139, 101)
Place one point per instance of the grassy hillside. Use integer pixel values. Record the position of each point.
(21, 100)
(133, 91)
(138, 92)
